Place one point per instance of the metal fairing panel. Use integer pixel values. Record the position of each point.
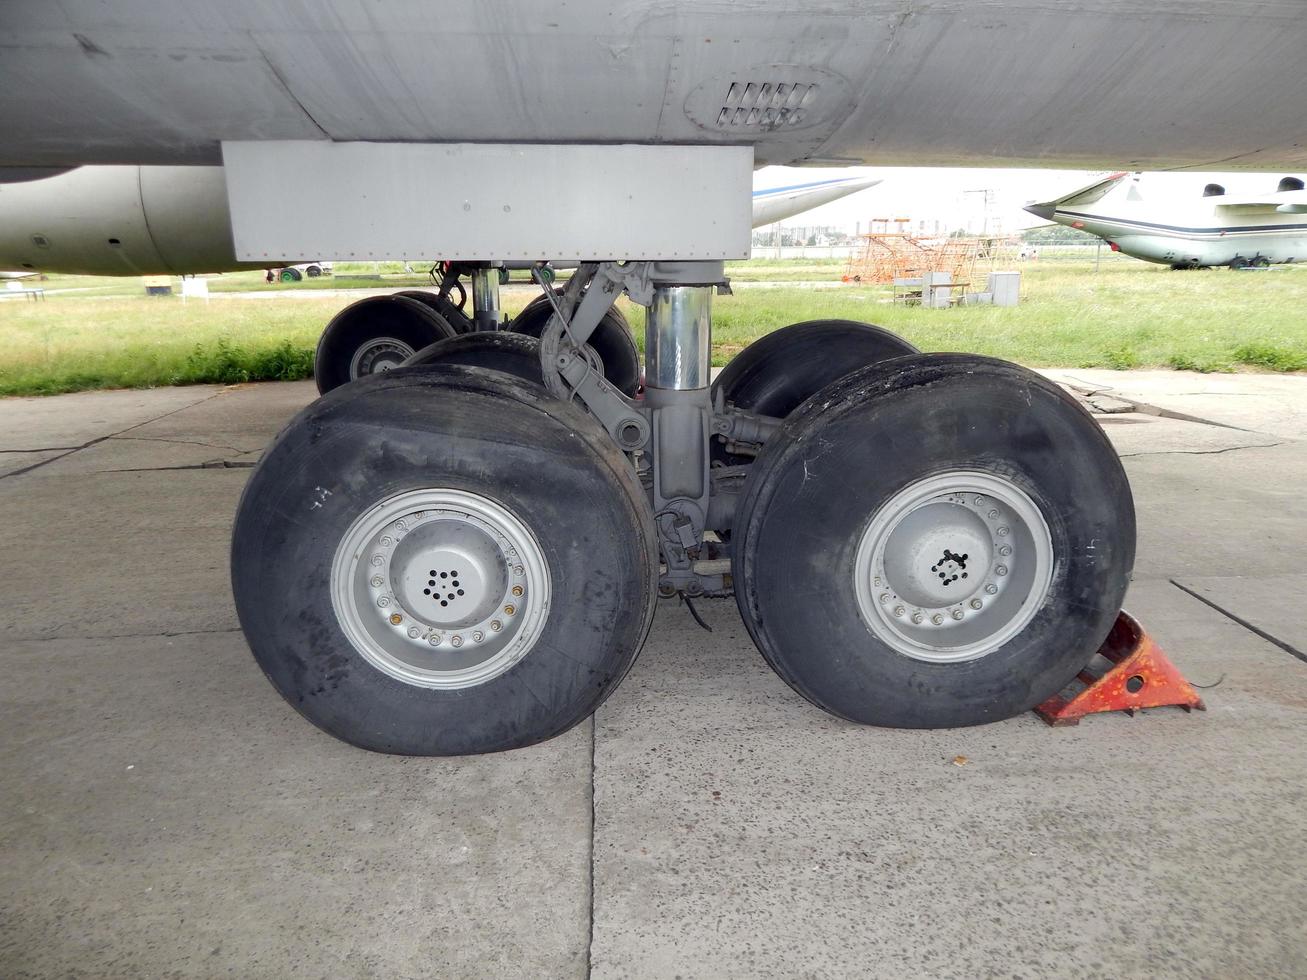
(502, 201)
(1143, 84)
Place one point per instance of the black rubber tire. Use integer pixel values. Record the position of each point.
(407, 320)
(781, 370)
(498, 350)
(835, 461)
(1239, 262)
(442, 307)
(313, 271)
(290, 275)
(612, 341)
(451, 427)
(1260, 262)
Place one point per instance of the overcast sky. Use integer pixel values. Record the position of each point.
(930, 195)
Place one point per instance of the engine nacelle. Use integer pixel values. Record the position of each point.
(119, 221)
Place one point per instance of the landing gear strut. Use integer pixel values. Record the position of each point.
(463, 556)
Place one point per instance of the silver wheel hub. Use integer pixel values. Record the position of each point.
(440, 588)
(952, 567)
(377, 355)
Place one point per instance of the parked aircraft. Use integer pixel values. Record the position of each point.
(1239, 231)
(464, 555)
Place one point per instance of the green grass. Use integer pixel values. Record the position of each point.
(1127, 315)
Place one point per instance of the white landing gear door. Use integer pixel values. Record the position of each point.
(305, 200)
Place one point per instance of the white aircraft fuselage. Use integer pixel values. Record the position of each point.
(1213, 230)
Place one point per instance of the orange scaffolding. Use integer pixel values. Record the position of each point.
(889, 255)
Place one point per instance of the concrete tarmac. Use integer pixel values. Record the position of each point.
(164, 813)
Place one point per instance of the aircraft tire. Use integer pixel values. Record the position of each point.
(379, 497)
(374, 335)
(291, 275)
(443, 307)
(499, 350)
(869, 565)
(612, 341)
(1239, 262)
(779, 371)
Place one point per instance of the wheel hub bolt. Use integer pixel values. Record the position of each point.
(396, 619)
(457, 641)
(937, 619)
(434, 639)
(993, 515)
(519, 570)
(517, 590)
(378, 581)
(899, 610)
(414, 632)
(956, 614)
(478, 636)
(976, 603)
(991, 589)
(1003, 531)
(1000, 570)
(917, 617)
(884, 597)
(387, 541)
(496, 626)
(1005, 550)
(377, 560)
(509, 610)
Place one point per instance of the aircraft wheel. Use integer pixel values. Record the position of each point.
(512, 353)
(291, 275)
(935, 541)
(443, 562)
(778, 372)
(1261, 262)
(314, 271)
(374, 335)
(1238, 262)
(612, 341)
(442, 307)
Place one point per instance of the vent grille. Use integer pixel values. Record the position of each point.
(766, 105)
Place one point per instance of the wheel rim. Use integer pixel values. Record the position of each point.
(440, 588)
(952, 567)
(377, 355)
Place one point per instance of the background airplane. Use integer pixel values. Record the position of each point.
(1238, 231)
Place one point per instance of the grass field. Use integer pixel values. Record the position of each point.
(97, 333)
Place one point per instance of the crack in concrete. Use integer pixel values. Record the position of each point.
(180, 442)
(41, 449)
(1200, 452)
(123, 636)
(112, 435)
(1269, 638)
(590, 928)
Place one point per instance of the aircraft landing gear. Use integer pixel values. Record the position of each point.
(450, 559)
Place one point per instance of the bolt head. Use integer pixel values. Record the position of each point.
(378, 581)
(396, 619)
(937, 619)
(478, 636)
(884, 597)
(519, 570)
(414, 632)
(1000, 570)
(976, 603)
(991, 589)
(1004, 531)
(956, 614)
(509, 610)
(993, 515)
(517, 591)
(387, 541)
(899, 611)
(383, 602)
(457, 641)
(434, 639)
(377, 561)
(1005, 550)
(496, 626)
(917, 617)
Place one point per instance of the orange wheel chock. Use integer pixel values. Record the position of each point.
(1141, 676)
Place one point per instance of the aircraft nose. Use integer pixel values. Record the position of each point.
(1044, 211)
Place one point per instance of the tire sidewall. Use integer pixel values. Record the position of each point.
(806, 508)
(378, 443)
